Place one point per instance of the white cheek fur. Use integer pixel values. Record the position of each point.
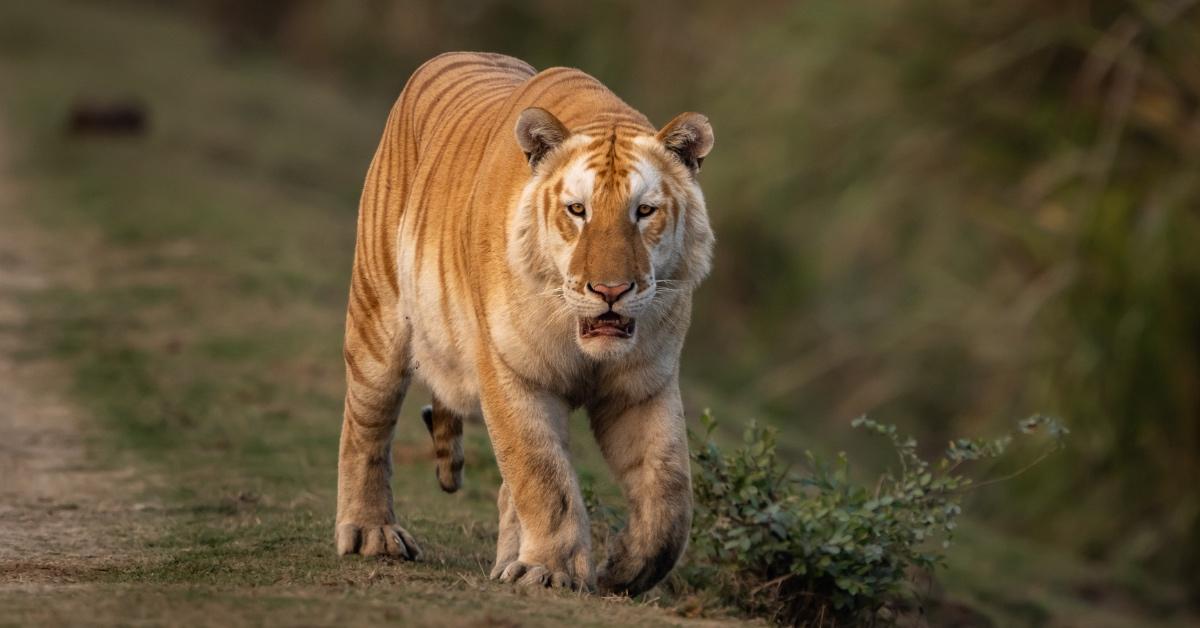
(560, 249)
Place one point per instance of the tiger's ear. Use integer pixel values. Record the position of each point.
(538, 131)
(689, 136)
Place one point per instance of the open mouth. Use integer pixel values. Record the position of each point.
(608, 324)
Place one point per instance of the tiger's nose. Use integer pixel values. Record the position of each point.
(610, 292)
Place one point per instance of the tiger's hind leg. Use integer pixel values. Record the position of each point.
(446, 429)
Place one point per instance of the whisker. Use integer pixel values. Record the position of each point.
(561, 311)
(526, 299)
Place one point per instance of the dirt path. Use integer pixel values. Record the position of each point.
(62, 516)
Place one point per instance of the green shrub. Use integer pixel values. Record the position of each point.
(820, 549)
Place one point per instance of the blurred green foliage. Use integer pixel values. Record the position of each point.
(942, 212)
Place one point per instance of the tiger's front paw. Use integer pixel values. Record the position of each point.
(536, 575)
(572, 570)
(539, 575)
(386, 539)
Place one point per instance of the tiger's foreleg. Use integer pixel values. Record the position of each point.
(646, 448)
(547, 521)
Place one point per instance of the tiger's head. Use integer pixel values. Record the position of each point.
(613, 222)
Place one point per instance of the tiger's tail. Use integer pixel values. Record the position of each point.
(446, 430)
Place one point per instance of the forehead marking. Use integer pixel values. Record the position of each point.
(644, 179)
(610, 160)
(578, 182)
(612, 151)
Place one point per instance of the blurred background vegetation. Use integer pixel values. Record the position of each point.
(947, 215)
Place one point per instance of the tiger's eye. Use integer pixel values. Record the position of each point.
(576, 209)
(644, 211)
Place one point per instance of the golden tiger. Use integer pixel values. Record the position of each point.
(520, 278)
